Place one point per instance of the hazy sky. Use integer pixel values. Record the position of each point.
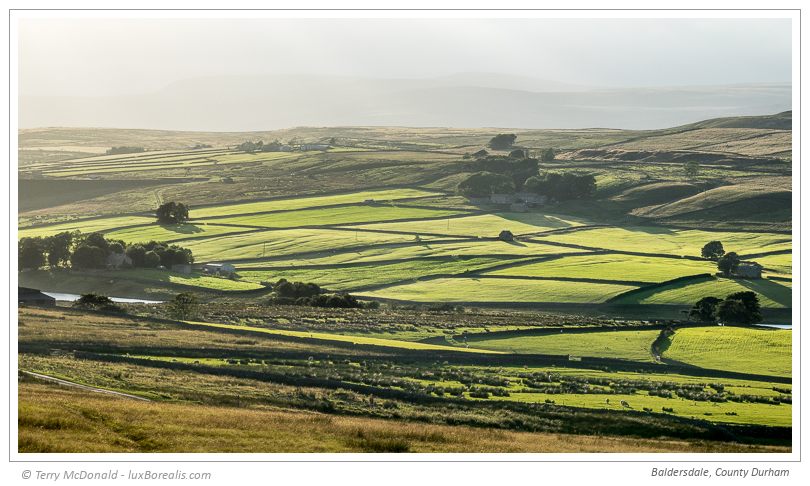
(112, 57)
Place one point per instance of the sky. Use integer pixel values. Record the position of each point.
(109, 57)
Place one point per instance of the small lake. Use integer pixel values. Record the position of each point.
(123, 300)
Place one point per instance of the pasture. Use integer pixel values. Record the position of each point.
(760, 351)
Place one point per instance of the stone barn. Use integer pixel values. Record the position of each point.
(748, 270)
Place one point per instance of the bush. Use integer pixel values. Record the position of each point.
(183, 306)
(502, 141)
(96, 302)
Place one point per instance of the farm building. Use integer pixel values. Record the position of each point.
(225, 269)
(27, 296)
(502, 198)
(749, 270)
(183, 268)
(314, 146)
(531, 198)
(118, 260)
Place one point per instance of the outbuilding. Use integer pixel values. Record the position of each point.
(29, 296)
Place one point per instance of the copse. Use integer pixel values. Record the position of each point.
(503, 141)
(562, 186)
(30, 253)
(736, 308)
(172, 213)
(483, 184)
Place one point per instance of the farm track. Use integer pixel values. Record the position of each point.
(72, 384)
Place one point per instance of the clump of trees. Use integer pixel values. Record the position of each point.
(503, 141)
(93, 250)
(124, 150)
(728, 263)
(483, 184)
(310, 294)
(562, 186)
(154, 253)
(172, 213)
(250, 146)
(712, 250)
(96, 302)
(736, 308)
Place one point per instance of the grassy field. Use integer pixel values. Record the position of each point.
(500, 290)
(484, 225)
(172, 232)
(87, 226)
(672, 241)
(48, 423)
(307, 202)
(334, 216)
(633, 345)
(771, 293)
(761, 351)
(352, 277)
(611, 267)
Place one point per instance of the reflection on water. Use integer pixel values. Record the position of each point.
(123, 300)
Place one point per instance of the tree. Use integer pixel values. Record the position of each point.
(86, 256)
(95, 239)
(482, 184)
(728, 263)
(547, 155)
(712, 250)
(30, 253)
(502, 141)
(562, 186)
(705, 309)
(740, 308)
(183, 306)
(506, 235)
(151, 259)
(172, 213)
(691, 169)
(517, 154)
(93, 301)
(58, 248)
(137, 253)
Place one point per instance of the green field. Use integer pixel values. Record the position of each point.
(333, 216)
(172, 232)
(612, 267)
(500, 290)
(86, 226)
(485, 225)
(307, 202)
(771, 293)
(350, 277)
(675, 242)
(759, 351)
(633, 345)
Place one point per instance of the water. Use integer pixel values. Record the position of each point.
(123, 300)
(776, 326)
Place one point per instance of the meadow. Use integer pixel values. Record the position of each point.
(555, 327)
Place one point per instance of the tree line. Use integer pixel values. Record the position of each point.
(92, 250)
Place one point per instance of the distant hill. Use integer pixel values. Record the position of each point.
(251, 103)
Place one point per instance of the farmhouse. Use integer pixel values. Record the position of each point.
(225, 269)
(27, 296)
(314, 146)
(502, 198)
(531, 198)
(183, 268)
(748, 270)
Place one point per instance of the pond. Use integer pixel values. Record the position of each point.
(123, 300)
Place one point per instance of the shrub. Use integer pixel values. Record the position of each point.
(97, 302)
